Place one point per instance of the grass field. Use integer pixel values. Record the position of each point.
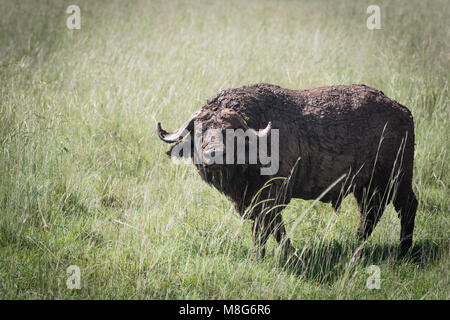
(85, 181)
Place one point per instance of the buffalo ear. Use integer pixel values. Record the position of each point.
(181, 149)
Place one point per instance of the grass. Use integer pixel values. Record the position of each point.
(85, 181)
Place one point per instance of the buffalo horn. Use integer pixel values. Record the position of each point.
(179, 134)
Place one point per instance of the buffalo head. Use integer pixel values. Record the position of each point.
(220, 143)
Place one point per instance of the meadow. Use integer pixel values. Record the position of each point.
(85, 181)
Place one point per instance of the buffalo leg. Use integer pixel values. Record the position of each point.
(271, 224)
(279, 232)
(371, 207)
(260, 235)
(406, 205)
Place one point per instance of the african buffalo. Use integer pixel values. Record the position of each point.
(332, 141)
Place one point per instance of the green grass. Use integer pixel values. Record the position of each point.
(85, 181)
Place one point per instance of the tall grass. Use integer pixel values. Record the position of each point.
(85, 181)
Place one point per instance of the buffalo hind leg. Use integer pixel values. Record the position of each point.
(371, 207)
(406, 205)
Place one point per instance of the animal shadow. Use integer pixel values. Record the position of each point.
(325, 262)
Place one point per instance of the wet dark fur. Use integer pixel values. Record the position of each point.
(333, 131)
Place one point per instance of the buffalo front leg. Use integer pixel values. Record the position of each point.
(267, 224)
(260, 235)
(279, 232)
